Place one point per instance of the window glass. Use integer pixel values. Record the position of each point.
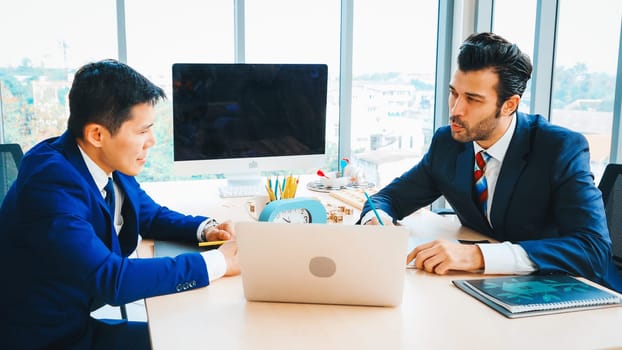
(162, 33)
(37, 66)
(517, 24)
(394, 57)
(284, 31)
(585, 73)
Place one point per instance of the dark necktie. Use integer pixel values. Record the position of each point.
(481, 186)
(110, 196)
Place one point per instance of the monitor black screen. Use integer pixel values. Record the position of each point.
(229, 111)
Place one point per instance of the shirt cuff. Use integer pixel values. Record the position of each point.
(506, 258)
(215, 263)
(370, 215)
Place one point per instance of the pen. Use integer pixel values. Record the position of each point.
(283, 185)
(211, 243)
(373, 207)
(271, 196)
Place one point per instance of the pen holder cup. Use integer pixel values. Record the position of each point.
(257, 205)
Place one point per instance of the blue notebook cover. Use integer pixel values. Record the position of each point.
(172, 249)
(517, 296)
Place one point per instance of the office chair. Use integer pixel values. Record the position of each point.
(10, 158)
(611, 187)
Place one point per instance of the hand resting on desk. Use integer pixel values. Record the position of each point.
(221, 232)
(441, 256)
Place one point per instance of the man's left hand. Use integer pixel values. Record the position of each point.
(221, 232)
(441, 256)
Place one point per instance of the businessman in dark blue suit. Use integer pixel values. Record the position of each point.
(531, 189)
(73, 217)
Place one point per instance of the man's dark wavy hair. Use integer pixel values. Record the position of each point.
(488, 50)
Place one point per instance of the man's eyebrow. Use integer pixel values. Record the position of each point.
(475, 96)
(470, 94)
(147, 126)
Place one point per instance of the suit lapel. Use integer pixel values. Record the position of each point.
(510, 172)
(67, 145)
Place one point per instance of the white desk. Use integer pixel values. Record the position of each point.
(434, 314)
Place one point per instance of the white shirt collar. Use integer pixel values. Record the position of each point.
(99, 176)
(499, 148)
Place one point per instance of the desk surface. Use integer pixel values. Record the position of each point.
(434, 314)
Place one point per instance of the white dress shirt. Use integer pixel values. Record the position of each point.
(214, 259)
(505, 257)
(499, 258)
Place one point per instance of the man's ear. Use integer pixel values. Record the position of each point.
(93, 134)
(510, 105)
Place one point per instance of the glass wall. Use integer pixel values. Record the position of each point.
(284, 31)
(517, 24)
(585, 73)
(160, 34)
(393, 64)
(37, 65)
(393, 69)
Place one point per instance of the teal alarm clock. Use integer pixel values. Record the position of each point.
(294, 210)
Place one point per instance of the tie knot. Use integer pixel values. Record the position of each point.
(481, 158)
(109, 188)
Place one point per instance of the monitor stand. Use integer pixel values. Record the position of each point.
(243, 185)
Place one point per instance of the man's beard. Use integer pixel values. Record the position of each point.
(482, 131)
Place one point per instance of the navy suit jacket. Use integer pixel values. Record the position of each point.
(545, 199)
(61, 258)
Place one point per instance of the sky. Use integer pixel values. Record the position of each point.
(159, 32)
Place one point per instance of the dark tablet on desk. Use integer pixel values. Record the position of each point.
(168, 248)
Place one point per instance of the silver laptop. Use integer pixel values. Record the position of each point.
(322, 263)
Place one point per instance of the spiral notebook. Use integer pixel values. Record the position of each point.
(521, 296)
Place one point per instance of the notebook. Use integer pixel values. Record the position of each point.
(521, 296)
(172, 249)
(322, 263)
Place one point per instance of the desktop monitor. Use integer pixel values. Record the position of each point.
(248, 118)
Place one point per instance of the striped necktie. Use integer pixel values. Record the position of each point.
(109, 188)
(481, 187)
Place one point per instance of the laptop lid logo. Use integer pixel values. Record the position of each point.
(321, 266)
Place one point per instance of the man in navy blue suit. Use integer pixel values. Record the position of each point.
(73, 216)
(532, 189)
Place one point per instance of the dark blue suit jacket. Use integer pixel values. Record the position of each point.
(545, 198)
(61, 258)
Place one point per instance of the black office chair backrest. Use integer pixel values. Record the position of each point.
(611, 187)
(10, 158)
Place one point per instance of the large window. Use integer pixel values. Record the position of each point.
(393, 64)
(393, 68)
(162, 33)
(585, 73)
(37, 66)
(517, 24)
(284, 31)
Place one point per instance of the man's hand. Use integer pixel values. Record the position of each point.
(221, 232)
(374, 221)
(230, 251)
(441, 256)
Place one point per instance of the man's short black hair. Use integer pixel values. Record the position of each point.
(104, 92)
